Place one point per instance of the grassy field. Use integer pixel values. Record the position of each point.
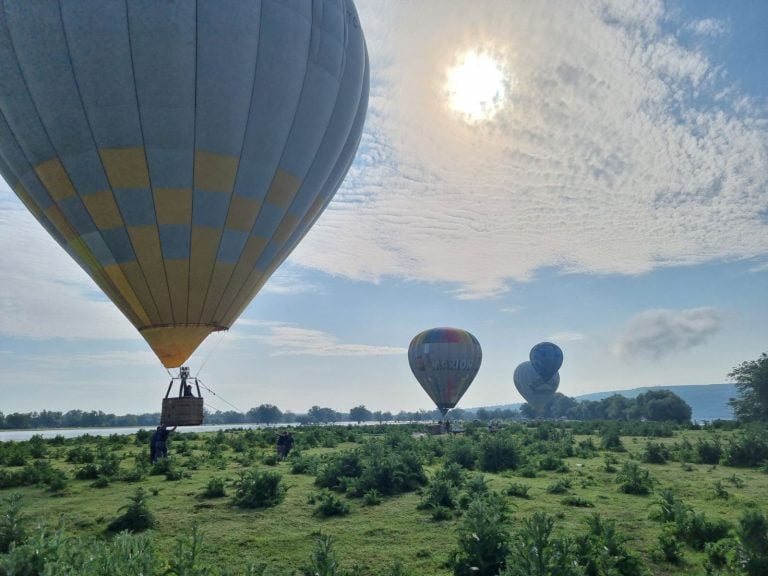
(566, 473)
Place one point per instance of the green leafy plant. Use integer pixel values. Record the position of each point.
(634, 480)
(259, 489)
(136, 516)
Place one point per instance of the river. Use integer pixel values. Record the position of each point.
(21, 435)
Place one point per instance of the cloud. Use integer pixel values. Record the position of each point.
(291, 340)
(565, 337)
(709, 27)
(44, 294)
(287, 280)
(512, 309)
(621, 149)
(104, 359)
(658, 333)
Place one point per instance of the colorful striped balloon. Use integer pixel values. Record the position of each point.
(445, 361)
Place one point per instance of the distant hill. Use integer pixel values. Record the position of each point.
(707, 401)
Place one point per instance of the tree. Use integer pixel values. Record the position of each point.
(360, 414)
(323, 415)
(265, 413)
(751, 379)
(663, 406)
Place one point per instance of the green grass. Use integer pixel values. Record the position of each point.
(284, 536)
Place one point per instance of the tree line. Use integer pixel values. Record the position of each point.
(751, 379)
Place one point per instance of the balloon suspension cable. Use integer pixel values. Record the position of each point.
(200, 383)
(213, 405)
(211, 351)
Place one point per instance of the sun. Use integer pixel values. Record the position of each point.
(476, 86)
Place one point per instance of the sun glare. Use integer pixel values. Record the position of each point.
(476, 87)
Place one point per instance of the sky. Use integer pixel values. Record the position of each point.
(590, 173)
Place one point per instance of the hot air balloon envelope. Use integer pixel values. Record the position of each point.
(179, 151)
(532, 386)
(546, 358)
(445, 361)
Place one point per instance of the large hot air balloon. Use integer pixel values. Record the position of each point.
(179, 151)
(533, 387)
(445, 361)
(546, 359)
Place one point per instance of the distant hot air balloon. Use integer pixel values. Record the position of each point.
(546, 358)
(445, 361)
(533, 387)
(179, 151)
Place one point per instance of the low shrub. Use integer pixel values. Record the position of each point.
(328, 504)
(560, 486)
(747, 449)
(258, 489)
(708, 451)
(518, 490)
(215, 488)
(634, 480)
(550, 463)
(12, 522)
(498, 452)
(372, 497)
(576, 502)
(462, 452)
(655, 453)
(536, 552)
(670, 549)
(136, 516)
(602, 550)
(697, 530)
(483, 544)
(753, 538)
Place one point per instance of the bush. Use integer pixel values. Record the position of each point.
(259, 489)
(80, 455)
(634, 480)
(671, 508)
(498, 452)
(697, 530)
(748, 449)
(576, 502)
(518, 490)
(560, 486)
(136, 516)
(550, 463)
(670, 548)
(12, 522)
(483, 540)
(441, 493)
(753, 537)
(536, 553)
(388, 469)
(462, 452)
(708, 451)
(602, 550)
(611, 440)
(328, 504)
(302, 464)
(655, 453)
(372, 497)
(214, 488)
(323, 561)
